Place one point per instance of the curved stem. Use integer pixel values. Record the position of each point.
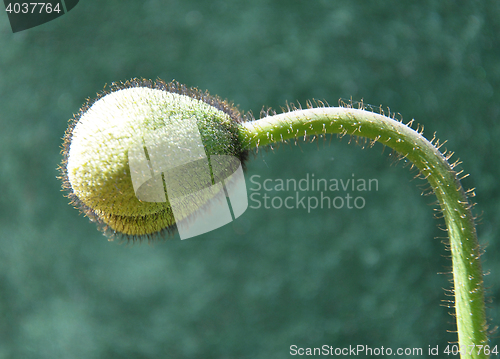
(465, 250)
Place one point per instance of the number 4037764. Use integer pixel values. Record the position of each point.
(32, 8)
(471, 349)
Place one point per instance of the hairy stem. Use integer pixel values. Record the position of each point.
(465, 251)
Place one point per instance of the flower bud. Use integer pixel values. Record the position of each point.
(133, 151)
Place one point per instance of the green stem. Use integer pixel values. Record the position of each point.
(465, 250)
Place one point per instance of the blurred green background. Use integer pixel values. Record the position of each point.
(272, 278)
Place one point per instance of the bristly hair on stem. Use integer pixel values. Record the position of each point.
(429, 158)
